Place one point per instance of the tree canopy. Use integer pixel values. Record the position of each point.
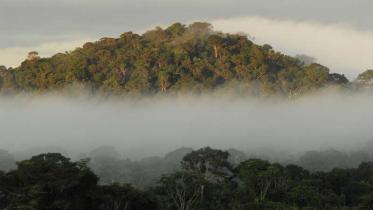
(52, 181)
(191, 58)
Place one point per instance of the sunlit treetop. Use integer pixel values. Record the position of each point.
(192, 58)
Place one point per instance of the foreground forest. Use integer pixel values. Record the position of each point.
(110, 166)
(206, 179)
(190, 58)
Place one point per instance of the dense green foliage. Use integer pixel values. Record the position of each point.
(366, 75)
(146, 172)
(190, 58)
(109, 165)
(365, 79)
(206, 180)
(51, 181)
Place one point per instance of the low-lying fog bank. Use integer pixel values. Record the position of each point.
(154, 126)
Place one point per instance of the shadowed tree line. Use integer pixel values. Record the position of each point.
(206, 179)
(191, 58)
(111, 167)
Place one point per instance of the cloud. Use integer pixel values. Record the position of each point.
(153, 126)
(341, 47)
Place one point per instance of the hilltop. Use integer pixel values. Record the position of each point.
(192, 58)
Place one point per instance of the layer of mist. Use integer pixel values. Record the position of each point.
(154, 126)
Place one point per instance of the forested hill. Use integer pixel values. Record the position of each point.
(190, 58)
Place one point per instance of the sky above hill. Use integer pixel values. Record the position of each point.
(338, 33)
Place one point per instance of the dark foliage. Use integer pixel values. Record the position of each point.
(51, 181)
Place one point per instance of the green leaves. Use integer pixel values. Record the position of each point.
(49, 181)
(207, 181)
(178, 58)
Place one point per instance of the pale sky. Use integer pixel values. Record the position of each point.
(339, 33)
